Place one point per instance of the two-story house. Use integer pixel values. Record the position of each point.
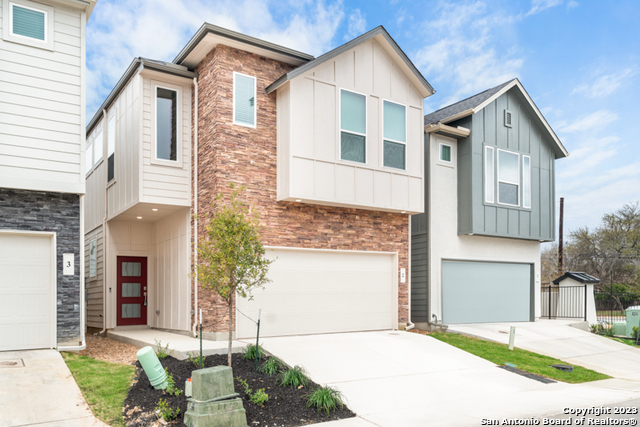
(42, 180)
(329, 148)
(491, 202)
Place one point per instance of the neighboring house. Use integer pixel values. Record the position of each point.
(331, 152)
(42, 182)
(490, 203)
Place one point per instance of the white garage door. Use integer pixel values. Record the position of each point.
(27, 288)
(486, 292)
(315, 292)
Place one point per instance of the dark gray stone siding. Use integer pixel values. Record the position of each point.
(52, 212)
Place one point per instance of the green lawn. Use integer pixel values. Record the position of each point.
(525, 360)
(103, 384)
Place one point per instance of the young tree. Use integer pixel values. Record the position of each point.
(231, 258)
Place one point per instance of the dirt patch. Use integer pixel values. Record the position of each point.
(286, 406)
(109, 350)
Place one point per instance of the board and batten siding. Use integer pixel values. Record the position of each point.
(309, 164)
(42, 109)
(163, 184)
(95, 294)
(525, 137)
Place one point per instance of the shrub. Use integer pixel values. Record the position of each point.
(634, 333)
(294, 377)
(608, 331)
(162, 352)
(164, 411)
(593, 328)
(259, 397)
(325, 399)
(171, 385)
(194, 357)
(252, 351)
(272, 366)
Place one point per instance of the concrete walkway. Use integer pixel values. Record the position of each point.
(403, 379)
(180, 344)
(555, 338)
(39, 390)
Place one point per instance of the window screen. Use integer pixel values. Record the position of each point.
(353, 124)
(394, 124)
(244, 100)
(28, 22)
(166, 124)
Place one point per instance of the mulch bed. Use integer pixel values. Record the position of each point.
(286, 406)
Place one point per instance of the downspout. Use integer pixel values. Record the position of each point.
(105, 265)
(195, 207)
(410, 325)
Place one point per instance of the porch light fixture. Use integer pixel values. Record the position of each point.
(403, 212)
(298, 200)
(139, 217)
(155, 209)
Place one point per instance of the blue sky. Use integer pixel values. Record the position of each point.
(579, 61)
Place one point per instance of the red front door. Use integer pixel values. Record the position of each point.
(132, 290)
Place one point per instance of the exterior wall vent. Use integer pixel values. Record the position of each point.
(507, 118)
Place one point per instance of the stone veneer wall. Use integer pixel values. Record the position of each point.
(59, 213)
(232, 153)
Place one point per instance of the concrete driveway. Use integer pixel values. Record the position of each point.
(36, 388)
(402, 379)
(555, 338)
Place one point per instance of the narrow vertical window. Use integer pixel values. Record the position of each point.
(28, 22)
(508, 178)
(353, 126)
(88, 158)
(111, 147)
(526, 181)
(244, 100)
(395, 135)
(166, 124)
(98, 147)
(445, 153)
(92, 258)
(489, 183)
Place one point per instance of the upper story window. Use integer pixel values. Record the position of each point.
(111, 148)
(394, 135)
(445, 153)
(166, 124)
(244, 100)
(353, 126)
(28, 23)
(513, 178)
(98, 147)
(88, 158)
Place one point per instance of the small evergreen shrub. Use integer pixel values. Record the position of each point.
(252, 351)
(325, 399)
(295, 377)
(272, 366)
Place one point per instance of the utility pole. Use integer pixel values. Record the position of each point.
(560, 244)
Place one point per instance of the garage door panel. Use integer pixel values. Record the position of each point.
(484, 292)
(26, 291)
(322, 292)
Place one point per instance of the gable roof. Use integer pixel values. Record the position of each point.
(477, 102)
(378, 31)
(577, 276)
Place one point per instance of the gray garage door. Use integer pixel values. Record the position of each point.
(486, 292)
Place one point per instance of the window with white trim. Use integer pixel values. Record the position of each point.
(508, 178)
(111, 148)
(526, 181)
(394, 123)
(88, 158)
(353, 126)
(489, 183)
(244, 100)
(28, 23)
(98, 147)
(445, 153)
(93, 252)
(166, 124)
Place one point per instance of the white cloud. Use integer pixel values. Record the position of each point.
(598, 119)
(604, 84)
(585, 159)
(464, 52)
(357, 25)
(538, 6)
(572, 4)
(120, 30)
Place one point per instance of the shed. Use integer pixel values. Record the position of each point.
(571, 296)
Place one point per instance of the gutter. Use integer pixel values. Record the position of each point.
(105, 267)
(447, 130)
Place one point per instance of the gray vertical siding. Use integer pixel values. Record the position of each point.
(525, 137)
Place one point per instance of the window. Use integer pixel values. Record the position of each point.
(166, 124)
(394, 135)
(489, 183)
(526, 181)
(111, 147)
(28, 23)
(508, 178)
(353, 126)
(244, 100)
(445, 153)
(88, 158)
(98, 146)
(92, 258)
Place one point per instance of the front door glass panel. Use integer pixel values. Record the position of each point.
(132, 291)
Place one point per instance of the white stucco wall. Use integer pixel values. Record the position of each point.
(446, 244)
